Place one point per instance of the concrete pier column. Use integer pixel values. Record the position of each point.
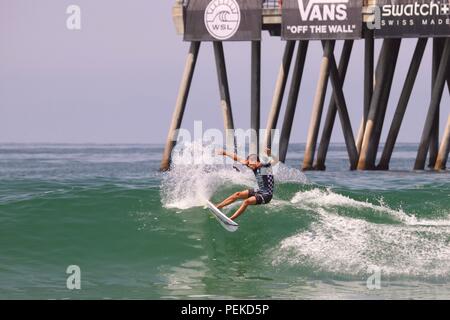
(278, 95)
(384, 76)
(434, 142)
(436, 96)
(292, 99)
(332, 108)
(369, 45)
(180, 104)
(255, 116)
(225, 100)
(317, 108)
(442, 157)
(402, 104)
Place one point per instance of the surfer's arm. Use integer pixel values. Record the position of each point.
(233, 156)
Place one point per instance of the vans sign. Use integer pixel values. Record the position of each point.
(322, 19)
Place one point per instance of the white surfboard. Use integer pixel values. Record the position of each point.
(226, 222)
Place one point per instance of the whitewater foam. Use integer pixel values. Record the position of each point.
(347, 245)
(328, 200)
(190, 183)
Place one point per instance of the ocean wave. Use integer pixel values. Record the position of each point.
(347, 245)
(327, 199)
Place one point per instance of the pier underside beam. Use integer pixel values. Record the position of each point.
(317, 108)
(180, 104)
(434, 105)
(255, 116)
(292, 99)
(225, 100)
(402, 104)
(442, 157)
(383, 83)
(278, 95)
(332, 110)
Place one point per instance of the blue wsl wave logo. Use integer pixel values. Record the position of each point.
(222, 18)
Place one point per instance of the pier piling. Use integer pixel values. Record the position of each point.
(225, 100)
(278, 95)
(293, 98)
(438, 88)
(332, 109)
(384, 104)
(402, 104)
(444, 148)
(434, 140)
(384, 75)
(180, 104)
(317, 107)
(338, 96)
(369, 56)
(255, 117)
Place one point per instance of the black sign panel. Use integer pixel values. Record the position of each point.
(322, 19)
(223, 20)
(412, 18)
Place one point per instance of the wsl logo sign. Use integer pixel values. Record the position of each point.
(411, 18)
(222, 18)
(322, 19)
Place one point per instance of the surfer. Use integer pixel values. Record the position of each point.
(264, 177)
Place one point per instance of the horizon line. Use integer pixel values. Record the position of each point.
(148, 143)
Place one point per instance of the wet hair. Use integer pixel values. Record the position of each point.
(253, 157)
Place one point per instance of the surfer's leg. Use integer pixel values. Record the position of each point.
(245, 204)
(235, 196)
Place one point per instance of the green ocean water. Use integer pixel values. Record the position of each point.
(140, 234)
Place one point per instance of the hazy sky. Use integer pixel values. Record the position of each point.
(116, 80)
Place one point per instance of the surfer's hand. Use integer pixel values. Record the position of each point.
(221, 152)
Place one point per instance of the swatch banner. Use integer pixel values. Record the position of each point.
(223, 20)
(412, 18)
(321, 19)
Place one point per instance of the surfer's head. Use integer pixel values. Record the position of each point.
(253, 161)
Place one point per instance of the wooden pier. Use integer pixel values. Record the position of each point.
(377, 74)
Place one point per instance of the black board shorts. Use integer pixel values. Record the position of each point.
(261, 197)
